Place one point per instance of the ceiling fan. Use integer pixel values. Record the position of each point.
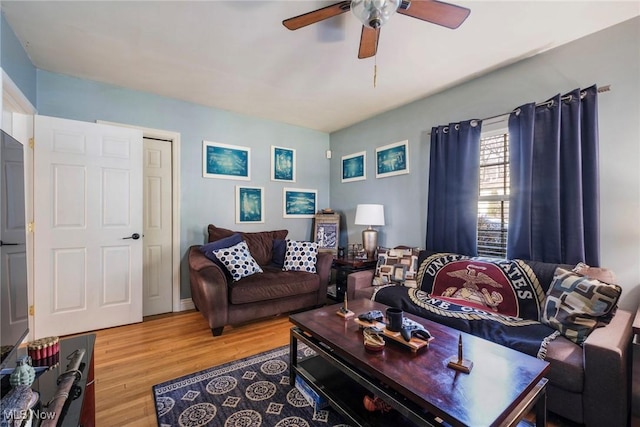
(374, 13)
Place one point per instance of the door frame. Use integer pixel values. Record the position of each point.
(174, 137)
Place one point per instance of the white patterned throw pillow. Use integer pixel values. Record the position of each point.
(390, 260)
(301, 256)
(238, 261)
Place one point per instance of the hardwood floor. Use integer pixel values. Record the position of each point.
(130, 359)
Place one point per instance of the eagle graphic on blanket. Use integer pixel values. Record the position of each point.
(499, 300)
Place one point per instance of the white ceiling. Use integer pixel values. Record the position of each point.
(237, 55)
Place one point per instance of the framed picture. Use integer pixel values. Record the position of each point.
(299, 203)
(249, 204)
(226, 161)
(326, 232)
(392, 159)
(283, 164)
(354, 167)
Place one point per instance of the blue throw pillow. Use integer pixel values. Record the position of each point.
(226, 242)
(278, 251)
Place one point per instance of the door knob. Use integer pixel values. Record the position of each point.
(134, 236)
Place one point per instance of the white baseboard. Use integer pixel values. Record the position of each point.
(187, 304)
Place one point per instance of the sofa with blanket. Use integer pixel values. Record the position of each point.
(566, 315)
(238, 277)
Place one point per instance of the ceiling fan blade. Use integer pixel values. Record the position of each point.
(317, 15)
(436, 12)
(368, 42)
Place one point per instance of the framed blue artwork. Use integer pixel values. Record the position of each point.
(249, 205)
(392, 159)
(283, 164)
(299, 203)
(354, 167)
(226, 161)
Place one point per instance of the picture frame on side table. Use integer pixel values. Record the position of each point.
(249, 205)
(354, 167)
(299, 203)
(392, 159)
(226, 161)
(283, 164)
(326, 232)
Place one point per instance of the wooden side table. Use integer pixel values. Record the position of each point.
(346, 266)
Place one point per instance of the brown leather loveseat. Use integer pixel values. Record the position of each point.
(223, 301)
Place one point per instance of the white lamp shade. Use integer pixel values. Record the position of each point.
(369, 215)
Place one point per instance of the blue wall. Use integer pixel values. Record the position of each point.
(611, 56)
(202, 200)
(15, 62)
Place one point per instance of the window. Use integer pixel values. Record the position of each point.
(493, 201)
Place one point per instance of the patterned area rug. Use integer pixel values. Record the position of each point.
(250, 392)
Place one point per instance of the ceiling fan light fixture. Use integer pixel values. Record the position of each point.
(374, 13)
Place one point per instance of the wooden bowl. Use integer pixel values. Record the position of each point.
(373, 348)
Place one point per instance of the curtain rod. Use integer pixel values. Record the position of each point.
(504, 116)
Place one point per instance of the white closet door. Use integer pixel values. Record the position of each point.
(158, 271)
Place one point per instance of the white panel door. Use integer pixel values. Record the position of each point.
(13, 256)
(157, 287)
(88, 206)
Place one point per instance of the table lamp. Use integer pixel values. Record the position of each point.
(370, 215)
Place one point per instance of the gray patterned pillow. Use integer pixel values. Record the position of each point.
(301, 256)
(576, 304)
(391, 259)
(238, 260)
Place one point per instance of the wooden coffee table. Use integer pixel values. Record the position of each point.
(503, 386)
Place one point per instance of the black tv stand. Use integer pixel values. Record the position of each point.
(67, 389)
